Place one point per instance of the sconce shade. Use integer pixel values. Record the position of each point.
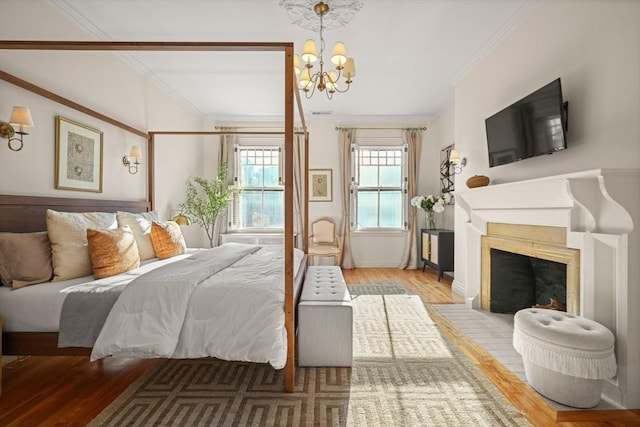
(454, 157)
(21, 116)
(135, 152)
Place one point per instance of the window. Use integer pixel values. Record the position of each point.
(260, 202)
(379, 187)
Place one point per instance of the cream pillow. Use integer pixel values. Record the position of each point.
(167, 239)
(68, 235)
(112, 251)
(25, 259)
(140, 224)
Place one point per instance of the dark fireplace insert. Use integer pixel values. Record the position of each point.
(519, 281)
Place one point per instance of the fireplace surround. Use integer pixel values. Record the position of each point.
(534, 241)
(584, 220)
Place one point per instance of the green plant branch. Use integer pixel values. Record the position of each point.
(206, 200)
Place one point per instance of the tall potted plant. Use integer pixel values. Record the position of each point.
(207, 200)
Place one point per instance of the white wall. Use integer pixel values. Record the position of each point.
(102, 82)
(594, 47)
(439, 135)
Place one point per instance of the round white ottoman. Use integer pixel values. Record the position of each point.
(566, 357)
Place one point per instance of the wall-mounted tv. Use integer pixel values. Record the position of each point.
(532, 126)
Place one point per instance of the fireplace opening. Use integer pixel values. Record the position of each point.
(520, 281)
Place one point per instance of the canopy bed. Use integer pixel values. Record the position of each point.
(20, 214)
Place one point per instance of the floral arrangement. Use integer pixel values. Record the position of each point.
(431, 203)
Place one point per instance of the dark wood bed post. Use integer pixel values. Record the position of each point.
(151, 195)
(289, 306)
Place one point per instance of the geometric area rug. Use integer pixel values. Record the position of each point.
(405, 373)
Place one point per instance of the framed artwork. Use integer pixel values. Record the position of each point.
(447, 175)
(78, 156)
(320, 185)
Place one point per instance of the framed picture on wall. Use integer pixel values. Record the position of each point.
(78, 156)
(447, 177)
(320, 185)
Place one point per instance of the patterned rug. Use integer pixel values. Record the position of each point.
(404, 374)
(378, 290)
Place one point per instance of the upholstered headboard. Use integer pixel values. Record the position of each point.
(21, 214)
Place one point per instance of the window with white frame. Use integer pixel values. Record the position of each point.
(379, 183)
(259, 203)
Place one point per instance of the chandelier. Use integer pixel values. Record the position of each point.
(332, 81)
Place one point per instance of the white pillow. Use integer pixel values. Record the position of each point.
(68, 236)
(140, 225)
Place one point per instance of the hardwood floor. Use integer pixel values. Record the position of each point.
(71, 391)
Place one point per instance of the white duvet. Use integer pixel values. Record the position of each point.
(226, 302)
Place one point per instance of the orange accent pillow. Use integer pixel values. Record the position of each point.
(112, 251)
(167, 239)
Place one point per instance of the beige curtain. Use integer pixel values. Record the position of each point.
(225, 155)
(346, 138)
(413, 139)
(298, 190)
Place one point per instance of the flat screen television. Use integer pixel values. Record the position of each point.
(532, 126)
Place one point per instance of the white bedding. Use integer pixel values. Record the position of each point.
(37, 308)
(235, 313)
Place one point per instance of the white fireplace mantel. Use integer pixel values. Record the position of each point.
(598, 208)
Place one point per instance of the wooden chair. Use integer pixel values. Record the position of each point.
(324, 241)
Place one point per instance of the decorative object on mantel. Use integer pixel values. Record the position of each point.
(478, 181)
(431, 205)
(338, 14)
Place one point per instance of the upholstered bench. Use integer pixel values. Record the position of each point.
(325, 319)
(566, 357)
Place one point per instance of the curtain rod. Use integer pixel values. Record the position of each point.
(253, 127)
(225, 132)
(423, 128)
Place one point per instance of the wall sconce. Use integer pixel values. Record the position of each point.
(457, 162)
(21, 117)
(180, 218)
(133, 159)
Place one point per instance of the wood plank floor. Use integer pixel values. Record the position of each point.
(71, 391)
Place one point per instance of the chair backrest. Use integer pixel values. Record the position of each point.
(323, 231)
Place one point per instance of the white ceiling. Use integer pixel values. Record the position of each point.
(408, 53)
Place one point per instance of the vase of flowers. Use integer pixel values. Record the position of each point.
(431, 205)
